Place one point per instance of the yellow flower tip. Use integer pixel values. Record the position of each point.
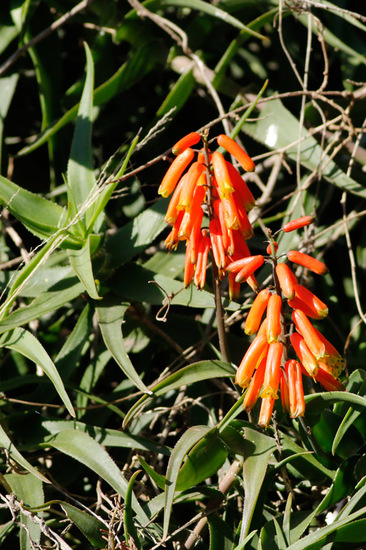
(269, 392)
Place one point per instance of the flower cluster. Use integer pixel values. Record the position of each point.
(266, 367)
(205, 182)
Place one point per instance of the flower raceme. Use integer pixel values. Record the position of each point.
(280, 319)
(205, 182)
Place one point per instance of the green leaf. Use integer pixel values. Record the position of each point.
(159, 479)
(26, 206)
(203, 461)
(198, 5)
(203, 370)
(257, 451)
(26, 344)
(277, 128)
(80, 173)
(7, 90)
(179, 94)
(7, 444)
(89, 525)
(185, 443)
(28, 489)
(80, 261)
(84, 449)
(110, 318)
(128, 523)
(319, 400)
(318, 536)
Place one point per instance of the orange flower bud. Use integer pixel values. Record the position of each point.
(172, 239)
(295, 388)
(269, 248)
(287, 280)
(202, 256)
(305, 356)
(314, 307)
(172, 210)
(255, 386)
(190, 216)
(187, 141)
(255, 352)
(327, 380)
(222, 175)
(307, 261)
(241, 188)
(285, 397)
(234, 287)
(298, 223)
(234, 149)
(190, 183)
(266, 411)
(333, 359)
(255, 314)
(231, 214)
(217, 244)
(248, 270)
(274, 318)
(174, 172)
(308, 332)
(273, 370)
(188, 266)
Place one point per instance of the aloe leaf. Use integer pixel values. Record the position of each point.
(7, 90)
(89, 525)
(198, 5)
(62, 293)
(185, 443)
(107, 437)
(29, 490)
(7, 444)
(26, 344)
(26, 206)
(257, 451)
(178, 94)
(203, 370)
(140, 64)
(80, 173)
(320, 399)
(128, 523)
(84, 449)
(110, 318)
(277, 128)
(80, 261)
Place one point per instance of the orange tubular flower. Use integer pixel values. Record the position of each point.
(222, 175)
(248, 270)
(307, 261)
(187, 141)
(256, 351)
(234, 149)
(269, 248)
(273, 370)
(188, 267)
(274, 318)
(245, 226)
(190, 183)
(308, 332)
(286, 279)
(195, 235)
(266, 411)
(333, 359)
(255, 386)
(285, 397)
(231, 214)
(172, 210)
(217, 244)
(297, 224)
(174, 172)
(172, 239)
(317, 308)
(202, 256)
(241, 188)
(327, 380)
(234, 287)
(256, 312)
(189, 217)
(307, 359)
(295, 388)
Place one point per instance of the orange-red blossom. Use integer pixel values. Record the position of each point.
(219, 191)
